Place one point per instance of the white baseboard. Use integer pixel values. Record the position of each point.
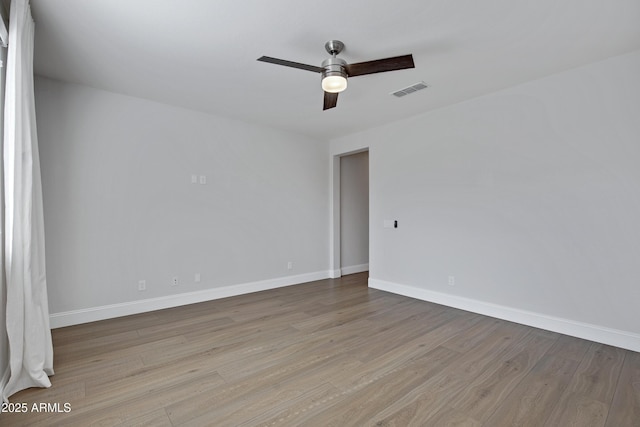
(334, 274)
(4, 380)
(92, 314)
(601, 334)
(355, 269)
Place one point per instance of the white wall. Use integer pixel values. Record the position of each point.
(120, 206)
(354, 213)
(529, 197)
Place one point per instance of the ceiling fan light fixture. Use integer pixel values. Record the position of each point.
(334, 83)
(334, 76)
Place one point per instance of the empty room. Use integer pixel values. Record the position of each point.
(251, 213)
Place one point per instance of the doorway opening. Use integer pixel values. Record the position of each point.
(350, 217)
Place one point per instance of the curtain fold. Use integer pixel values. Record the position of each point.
(28, 330)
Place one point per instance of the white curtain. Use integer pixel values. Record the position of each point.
(30, 345)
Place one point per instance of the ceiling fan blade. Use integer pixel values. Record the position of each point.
(290, 64)
(330, 100)
(380, 65)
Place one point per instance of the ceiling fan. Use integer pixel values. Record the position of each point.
(335, 70)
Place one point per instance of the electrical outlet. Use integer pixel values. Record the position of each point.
(174, 281)
(452, 280)
(142, 285)
(194, 179)
(196, 278)
(203, 179)
(290, 265)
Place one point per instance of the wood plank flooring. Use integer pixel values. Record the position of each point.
(330, 353)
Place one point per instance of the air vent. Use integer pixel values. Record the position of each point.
(407, 90)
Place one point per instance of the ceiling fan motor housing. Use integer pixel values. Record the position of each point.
(334, 67)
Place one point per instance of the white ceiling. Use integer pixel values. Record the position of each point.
(201, 54)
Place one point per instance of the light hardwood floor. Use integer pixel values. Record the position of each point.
(331, 353)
